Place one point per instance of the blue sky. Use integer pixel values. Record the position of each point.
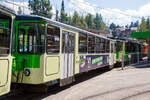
(120, 4)
(115, 11)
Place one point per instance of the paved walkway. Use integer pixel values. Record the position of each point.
(129, 84)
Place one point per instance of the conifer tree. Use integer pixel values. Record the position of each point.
(89, 21)
(148, 24)
(41, 8)
(143, 26)
(76, 19)
(83, 23)
(63, 16)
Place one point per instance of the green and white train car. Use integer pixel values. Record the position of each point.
(42, 51)
(47, 51)
(6, 24)
(129, 49)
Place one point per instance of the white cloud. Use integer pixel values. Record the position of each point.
(81, 6)
(116, 16)
(15, 6)
(125, 17)
(24, 7)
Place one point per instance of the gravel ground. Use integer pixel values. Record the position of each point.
(132, 83)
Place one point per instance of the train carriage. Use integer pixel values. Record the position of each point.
(128, 49)
(47, 51)
(6, 28)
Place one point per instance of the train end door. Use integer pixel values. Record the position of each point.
(6, 20)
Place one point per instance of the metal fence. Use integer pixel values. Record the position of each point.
(133, 58)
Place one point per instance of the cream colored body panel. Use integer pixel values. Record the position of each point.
(5, 74)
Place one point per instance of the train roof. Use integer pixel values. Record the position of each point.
(35, 17)
(126, 40)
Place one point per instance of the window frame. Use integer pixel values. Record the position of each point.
(93, 45)
(46, 43)
(10, 20)
(86, 43)
(18, 45)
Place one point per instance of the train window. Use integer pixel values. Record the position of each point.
(112, 48)
(91, 44)
(64, 43)
(68, 42)
(71, 42)
(107, 46)
(82, 43)
(4, 37)
(127, 47)
(98, 42)
(119, 46)
(102, 47)
(31, 38)
(53, 39)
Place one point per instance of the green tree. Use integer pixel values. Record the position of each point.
(83, 23)
(143, 26)
(136, 24)
(148, 24)
(76, 19)
(69, 20)
(112, 26)
(103, 26)
(57, 16)
(63, 16)
(89, 21)
(98, 21)
(41, 8)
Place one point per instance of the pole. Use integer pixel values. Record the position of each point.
(122, 62)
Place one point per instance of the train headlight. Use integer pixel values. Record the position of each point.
(27, 72)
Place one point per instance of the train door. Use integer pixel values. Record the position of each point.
(111, 54)
(6, 22)
(68, 55)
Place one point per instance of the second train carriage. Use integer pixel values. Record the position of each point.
(47, 51)
(128, 49)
